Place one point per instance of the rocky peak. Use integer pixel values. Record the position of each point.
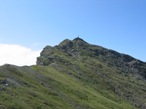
(79, 41)
(66, 43)
(76, 43)
(78, 48)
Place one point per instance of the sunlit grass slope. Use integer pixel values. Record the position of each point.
(40, 87)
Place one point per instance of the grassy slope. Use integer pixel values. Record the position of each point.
(41, 87)
(106, 71)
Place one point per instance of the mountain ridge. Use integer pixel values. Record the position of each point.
(75, 75)
(78, 47)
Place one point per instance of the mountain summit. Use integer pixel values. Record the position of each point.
(78, 48)
(75, 75)
(78, 39)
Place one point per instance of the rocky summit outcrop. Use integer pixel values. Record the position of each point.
(80, 50)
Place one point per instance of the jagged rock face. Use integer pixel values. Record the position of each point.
(143, 106)
(71, 48)
(79, 49)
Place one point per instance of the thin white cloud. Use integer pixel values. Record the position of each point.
(17, 55)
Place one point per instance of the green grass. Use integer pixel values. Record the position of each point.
(48, 88)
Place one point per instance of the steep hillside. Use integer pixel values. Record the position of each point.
(119, 73)
(75, 75)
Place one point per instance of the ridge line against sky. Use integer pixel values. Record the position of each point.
(114, 24)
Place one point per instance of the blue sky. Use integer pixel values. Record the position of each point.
(115, 24)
